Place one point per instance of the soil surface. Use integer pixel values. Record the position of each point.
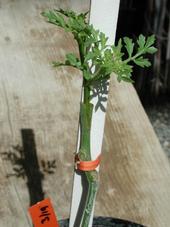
(159, 116)
(105, 222)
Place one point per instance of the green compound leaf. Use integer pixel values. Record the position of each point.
(57, 64)
(86, 75)
(119, 45)
(55, 18)
(141, 42)
(90, 56)
(117, 53)
(67, 13)
(89, 41)
(151, 50)
(129, 45)
(145, 46)
(150, 41)
(72, 60)
(127, 78)
(99, 60)
(103, 40)
(142, 62)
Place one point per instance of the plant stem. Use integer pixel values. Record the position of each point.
(134, 57)
(92, 178)
(86, 110)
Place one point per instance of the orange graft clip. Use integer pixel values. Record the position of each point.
(86, 165)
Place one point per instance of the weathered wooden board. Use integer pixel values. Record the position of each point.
(134, 167)
(39, 109)
(39, 100)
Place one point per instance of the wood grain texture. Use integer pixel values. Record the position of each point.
(134, 168)
(135, 174)
(35, 96)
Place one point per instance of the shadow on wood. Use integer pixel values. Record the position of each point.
(31, 166)
(25, 164)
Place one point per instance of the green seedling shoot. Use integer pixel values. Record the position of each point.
(97, 61)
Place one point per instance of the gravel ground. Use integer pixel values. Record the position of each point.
(160, 118)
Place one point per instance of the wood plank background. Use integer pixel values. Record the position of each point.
(39, 110)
